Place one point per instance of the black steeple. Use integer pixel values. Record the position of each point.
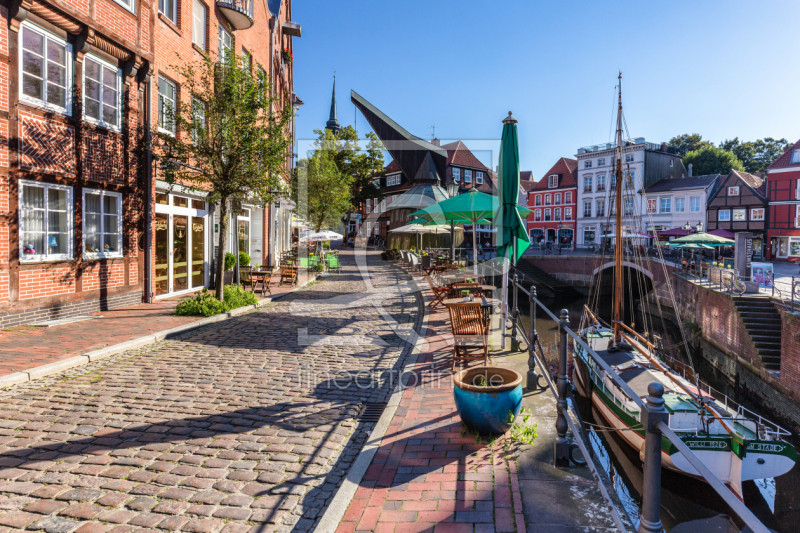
(333, 123)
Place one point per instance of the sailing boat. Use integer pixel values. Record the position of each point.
(733, 442)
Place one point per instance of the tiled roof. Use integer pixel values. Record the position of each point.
(567, 168)
(458, 154)
(754, 182)
(525, 175)
(785, 160)
(692, 182)
(391, 168)
(527, 186)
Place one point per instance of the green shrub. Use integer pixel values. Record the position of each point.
(205, 303)
(230, 261)
(244, 259)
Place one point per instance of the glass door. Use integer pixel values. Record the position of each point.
(180, 253)
(198, 251)
(161, 280)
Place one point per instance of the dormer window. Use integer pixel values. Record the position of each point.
(479, 178)
(456, 174)
(552, 181)
(796, 156)
(467, 176)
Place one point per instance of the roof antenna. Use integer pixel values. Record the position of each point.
(433, 133)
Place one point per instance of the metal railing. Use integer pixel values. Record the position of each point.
(653, 415)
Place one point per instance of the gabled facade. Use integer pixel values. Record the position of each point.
(672, 203)
(553, 201)
(739, 203)
(643, 164)
(783, 194)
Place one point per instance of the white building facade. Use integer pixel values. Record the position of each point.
(673, 203)
(643, 164)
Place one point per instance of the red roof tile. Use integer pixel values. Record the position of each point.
(391, 167)
(567, 168)
(754, 182)
(525, 175)
(458, 154)
(785, 160)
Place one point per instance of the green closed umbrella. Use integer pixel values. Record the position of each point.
(512, 231)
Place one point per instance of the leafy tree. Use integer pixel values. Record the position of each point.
(322, 188)
(756, 156)
(231, 138)
(712, 160)
(688, 142)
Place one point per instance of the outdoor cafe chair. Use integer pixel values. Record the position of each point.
(439, 293)
(333, 263)
(470, 333)
(288, 275)
(245, 278)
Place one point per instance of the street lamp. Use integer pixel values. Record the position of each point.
(452, 189)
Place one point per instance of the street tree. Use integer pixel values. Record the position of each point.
(227, 135)
(712, 160)
(688, 142)
(321, 189)
(756, 156)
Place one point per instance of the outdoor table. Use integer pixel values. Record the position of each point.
(459, 277)
(261, 275)
(487, 304)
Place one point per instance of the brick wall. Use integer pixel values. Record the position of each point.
(103, 275)
(790, 349)
(68, 309)
(133, 274)
(45, 282)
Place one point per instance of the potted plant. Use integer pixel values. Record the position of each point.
(287, 56)
(488, 398)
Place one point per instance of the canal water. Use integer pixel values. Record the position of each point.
(688, 505)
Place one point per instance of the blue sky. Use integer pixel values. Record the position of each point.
(719, 68)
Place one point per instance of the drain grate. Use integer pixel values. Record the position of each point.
(372, 411)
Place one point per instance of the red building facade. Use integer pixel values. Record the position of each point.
(783, 193)
(553, 203)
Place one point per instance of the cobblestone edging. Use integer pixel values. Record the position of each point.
(213, 430)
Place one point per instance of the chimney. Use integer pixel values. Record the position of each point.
(663, 147)
(436, 142)
(690, 170)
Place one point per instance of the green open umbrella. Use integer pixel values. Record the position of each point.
(702, 238)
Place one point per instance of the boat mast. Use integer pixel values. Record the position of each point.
(618, 288)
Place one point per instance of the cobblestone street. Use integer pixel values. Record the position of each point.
(244, 425)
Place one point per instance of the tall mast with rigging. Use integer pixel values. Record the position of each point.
(618, 287)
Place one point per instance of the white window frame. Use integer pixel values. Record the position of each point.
(102, 255)
(628, 207)
(567, 213)
(587, 213)
(742, 212)
(31, 258)
(552, 181)
(376, 182)
(680, 205)
(691, 206)
(547, 199)
(557, 214)
(557, 198)
(198, 114)
(223, 48)
(547, 215)
(652, 206)
(456, 174)
(119, 88)
(601, 162)
(795, 157)
(196, 19)
(587, 184)
(479, 178)
(629, 158)
(568, 197)
(601, 182)
(70, 82)
(175, 87)
(671, 163)
(537, 200)
(537, 215)
(601, 207)
(726, 218)
(131, 7)
(754, 216)
(467, 176)
(173, 17)
(587, 164)
(369, 206)
(733, 191)
(665, 205)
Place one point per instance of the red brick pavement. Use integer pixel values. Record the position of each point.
(429, 475)
(26, 347)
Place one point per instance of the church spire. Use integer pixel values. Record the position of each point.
(333, 122)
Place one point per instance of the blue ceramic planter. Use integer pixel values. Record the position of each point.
(488, 410)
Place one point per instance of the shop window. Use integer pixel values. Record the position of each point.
(102, 224)
(45, 221)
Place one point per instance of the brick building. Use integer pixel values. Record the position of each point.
(184, 240)
(72, 97)
(77, 193)
(783, 194)
(553, 202)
